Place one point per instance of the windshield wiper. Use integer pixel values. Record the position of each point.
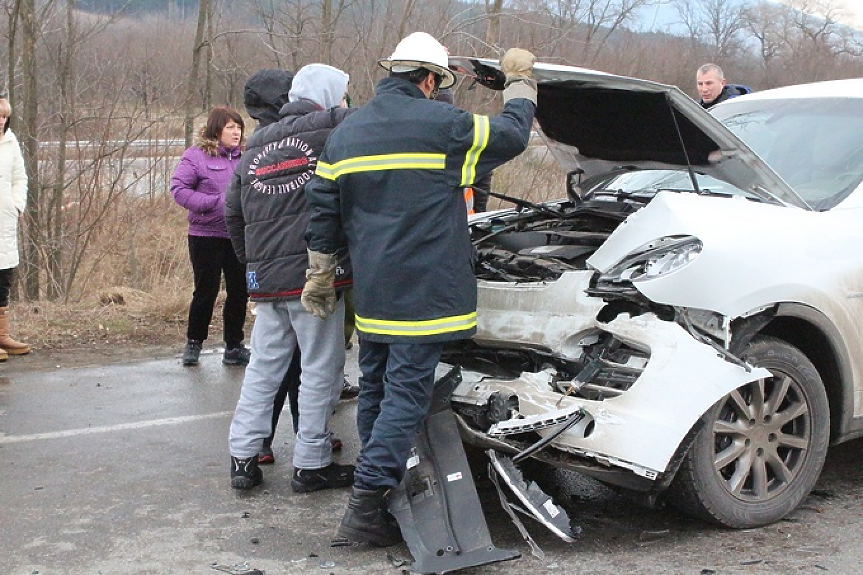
(522, 204)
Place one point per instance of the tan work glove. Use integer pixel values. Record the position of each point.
(517, 64)
(319, 295)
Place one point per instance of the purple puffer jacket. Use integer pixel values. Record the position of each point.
(199, 184)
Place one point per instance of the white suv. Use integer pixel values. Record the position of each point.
(687, 320)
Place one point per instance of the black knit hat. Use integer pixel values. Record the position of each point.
(265, 93)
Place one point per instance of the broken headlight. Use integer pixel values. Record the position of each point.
(655, 259)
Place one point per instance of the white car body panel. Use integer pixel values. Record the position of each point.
(822, 268)
(800, 267)
(643, 427)
(552, 315)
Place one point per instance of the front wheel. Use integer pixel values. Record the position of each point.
(762, 446)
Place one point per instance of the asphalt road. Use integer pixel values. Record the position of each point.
(123, 469)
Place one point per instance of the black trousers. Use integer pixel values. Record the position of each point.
(289, 389)
(5, 285)
(212, 257)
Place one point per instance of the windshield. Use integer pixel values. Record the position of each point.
(814, 144)
(642, 185)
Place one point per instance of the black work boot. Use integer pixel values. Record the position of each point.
(245, 473)
(329, 477)
(366, 519)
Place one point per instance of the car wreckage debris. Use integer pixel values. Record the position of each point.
(238, 569)
(538, 504)
(436, 504)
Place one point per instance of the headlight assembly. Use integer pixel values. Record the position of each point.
(655, 259)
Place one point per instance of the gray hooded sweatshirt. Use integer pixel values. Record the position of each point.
(321, 84)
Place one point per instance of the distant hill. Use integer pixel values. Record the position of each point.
(179, 7)
(664, 17)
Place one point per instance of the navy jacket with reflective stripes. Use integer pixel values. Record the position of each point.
(391, 178)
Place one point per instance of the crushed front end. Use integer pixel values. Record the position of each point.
(556, 339)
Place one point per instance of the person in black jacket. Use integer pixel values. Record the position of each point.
(391, 180)
(712, 87)
(264, 94)
(267, 214)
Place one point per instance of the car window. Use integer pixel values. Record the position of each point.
(645, 184)
(814, 144)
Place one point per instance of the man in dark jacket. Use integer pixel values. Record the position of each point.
(267, 215)
(712, 87)
(264, 94)
(391, 180)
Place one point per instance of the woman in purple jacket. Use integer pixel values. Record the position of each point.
(199, 184)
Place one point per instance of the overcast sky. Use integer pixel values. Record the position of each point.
(852, 8)
(855, 10)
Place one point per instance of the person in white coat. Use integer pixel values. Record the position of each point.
(13, 201)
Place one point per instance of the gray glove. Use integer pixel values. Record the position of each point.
(319, 295)
(517, 66)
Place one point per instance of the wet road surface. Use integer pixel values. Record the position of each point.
(123, 469)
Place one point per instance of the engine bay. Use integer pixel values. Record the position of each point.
(543, 242)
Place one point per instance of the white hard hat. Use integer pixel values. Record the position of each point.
(420, 50)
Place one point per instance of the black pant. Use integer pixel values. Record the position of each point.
(210, 257)
(5, 284)
(290, 389)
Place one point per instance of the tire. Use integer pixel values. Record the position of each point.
(745, 468)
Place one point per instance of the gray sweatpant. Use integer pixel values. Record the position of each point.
(279, 327)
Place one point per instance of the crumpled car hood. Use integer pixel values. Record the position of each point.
(593, 121)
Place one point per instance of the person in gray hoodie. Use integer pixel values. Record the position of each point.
(266, 215)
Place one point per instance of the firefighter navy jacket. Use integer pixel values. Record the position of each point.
(391, 178)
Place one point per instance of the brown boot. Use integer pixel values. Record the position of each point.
(8, 344)
(3, 355)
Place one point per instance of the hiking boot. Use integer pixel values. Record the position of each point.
(329, 477)
(192, 352)
(349, 391)
(367, 520)
(245, 473)
(266, 457)
(237, 355)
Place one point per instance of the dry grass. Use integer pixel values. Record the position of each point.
(533, 176)
(114, 316)
(136, 282)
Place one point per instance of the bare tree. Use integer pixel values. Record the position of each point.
(113, 99)
(577, 31)
(714, 24)
(493, 9)
(28, 131)
(204, 11)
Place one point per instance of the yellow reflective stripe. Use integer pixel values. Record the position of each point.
(481, 129)
(325, 170)
(417, 328)
(381, 162)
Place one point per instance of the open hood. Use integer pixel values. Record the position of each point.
(593, 121)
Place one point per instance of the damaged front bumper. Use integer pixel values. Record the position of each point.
(630, 434)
